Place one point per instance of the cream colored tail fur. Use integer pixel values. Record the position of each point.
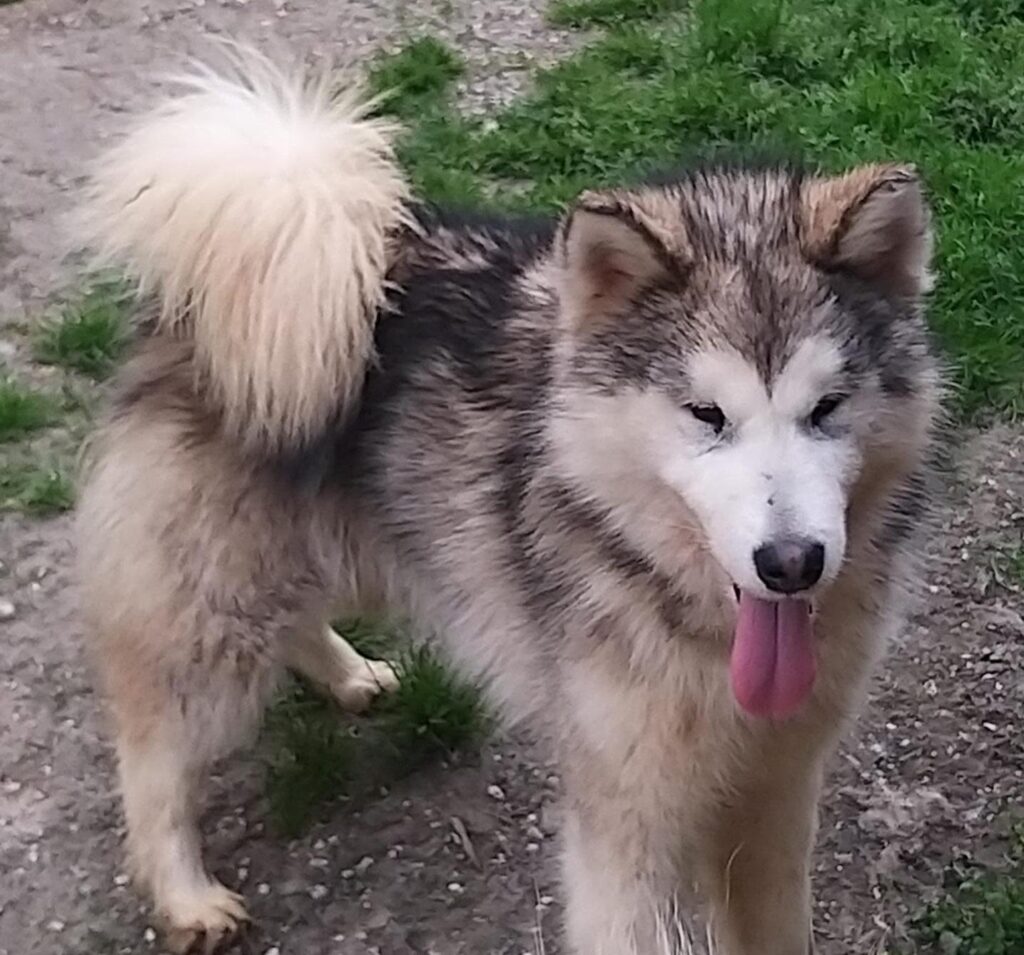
(259, 206)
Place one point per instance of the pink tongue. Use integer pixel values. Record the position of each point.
(773, 665)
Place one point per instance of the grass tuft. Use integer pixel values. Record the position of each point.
(417, 77)
(88, 334)
(433, 712)
(39, 491)
(319, 755)
(313, 757)
(23, 410)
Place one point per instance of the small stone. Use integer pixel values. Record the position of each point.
(120, 879)
(455, 888)
(55, 925)
(363, 864)
(550, 818)
(149, 935)
(949, 944)
(318, 892)
(273, 950)
(263, 889)
(7, 610)
(496, 792)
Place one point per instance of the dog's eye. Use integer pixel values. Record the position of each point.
(709, 414)
(824, 408)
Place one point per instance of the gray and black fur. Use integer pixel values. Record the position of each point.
(494, 465)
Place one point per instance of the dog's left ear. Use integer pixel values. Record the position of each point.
(614, 245)
(872, 222)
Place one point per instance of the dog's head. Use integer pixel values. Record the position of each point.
(753, 341)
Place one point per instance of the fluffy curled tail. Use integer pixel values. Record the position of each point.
(260, 208)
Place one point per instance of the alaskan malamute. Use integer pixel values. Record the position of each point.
(652, 472)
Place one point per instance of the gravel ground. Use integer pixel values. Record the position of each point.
(460, 858)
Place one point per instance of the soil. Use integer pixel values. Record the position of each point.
(458, 858)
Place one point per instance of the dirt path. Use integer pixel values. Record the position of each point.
(933, 764)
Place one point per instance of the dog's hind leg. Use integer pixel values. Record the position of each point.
(195, 573)
(176, 713)
(159, 782)
(329, 661)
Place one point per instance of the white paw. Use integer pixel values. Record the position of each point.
(203, 919)
(359, 689)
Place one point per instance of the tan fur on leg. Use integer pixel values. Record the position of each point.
(158, 785)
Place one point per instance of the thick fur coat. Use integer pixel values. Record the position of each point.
(604, 459)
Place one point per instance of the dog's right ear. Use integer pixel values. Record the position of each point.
(613, 246)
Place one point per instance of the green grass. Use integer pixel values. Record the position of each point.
(840, 82)
(433, 712)
(38, 490)
(25, 484)
(417, 76)
(587, 13)
(982, 910)
(23, 410)
(1008, 566)
(89, 333)
(313, 758)
(319, 755)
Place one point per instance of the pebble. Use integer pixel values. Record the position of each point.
(318, 892)
(7, 610)
(949, 944)
(496, 792)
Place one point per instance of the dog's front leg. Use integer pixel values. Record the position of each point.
(758, 866)
(619, 900)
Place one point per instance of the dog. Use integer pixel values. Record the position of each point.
(654, 472)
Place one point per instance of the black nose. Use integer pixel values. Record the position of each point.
(790, 564)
